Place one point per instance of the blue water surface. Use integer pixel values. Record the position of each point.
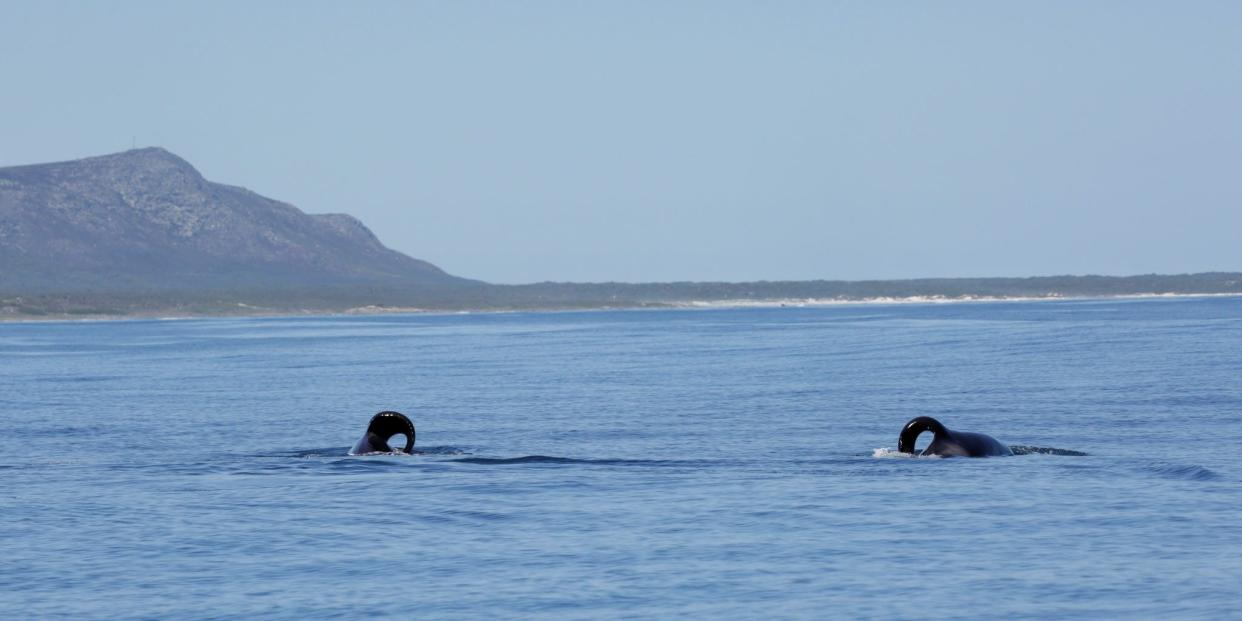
(699, 464)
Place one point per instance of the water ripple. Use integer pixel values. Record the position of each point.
(1185, 472)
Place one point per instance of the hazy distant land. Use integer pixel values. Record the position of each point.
(141, 233)
(569, 296)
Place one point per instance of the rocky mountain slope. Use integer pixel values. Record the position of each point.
(147, 220)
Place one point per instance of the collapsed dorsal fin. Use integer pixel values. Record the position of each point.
(916, 426)
(383, 426)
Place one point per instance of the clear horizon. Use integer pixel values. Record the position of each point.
(677, 142)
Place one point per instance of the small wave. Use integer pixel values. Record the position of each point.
(344, 452)
(890, 453)
(78, 379)
(1019, 449)
(545, 459)
(349, 465)
(1180, 471)
(440, 450)
(320, 452)
(529, 459)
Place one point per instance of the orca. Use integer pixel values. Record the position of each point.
(384, 426)
(948, 443)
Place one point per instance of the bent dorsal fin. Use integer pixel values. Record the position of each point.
(387, 424)
(910, 433)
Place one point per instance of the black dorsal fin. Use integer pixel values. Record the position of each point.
(910, 433)
(387, 424)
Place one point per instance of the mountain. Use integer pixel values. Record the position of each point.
(147, 220)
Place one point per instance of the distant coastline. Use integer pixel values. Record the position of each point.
(142, 234)
(814, 303)
(11, 313)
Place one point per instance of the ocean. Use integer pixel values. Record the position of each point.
(648, 464)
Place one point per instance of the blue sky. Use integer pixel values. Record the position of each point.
(655, 141)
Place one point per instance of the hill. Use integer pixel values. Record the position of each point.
(146, 220)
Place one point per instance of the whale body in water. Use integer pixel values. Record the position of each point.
(948, 443)
(383, 427)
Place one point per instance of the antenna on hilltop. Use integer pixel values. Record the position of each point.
(133, 143)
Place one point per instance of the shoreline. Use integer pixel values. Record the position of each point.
(253, 312)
